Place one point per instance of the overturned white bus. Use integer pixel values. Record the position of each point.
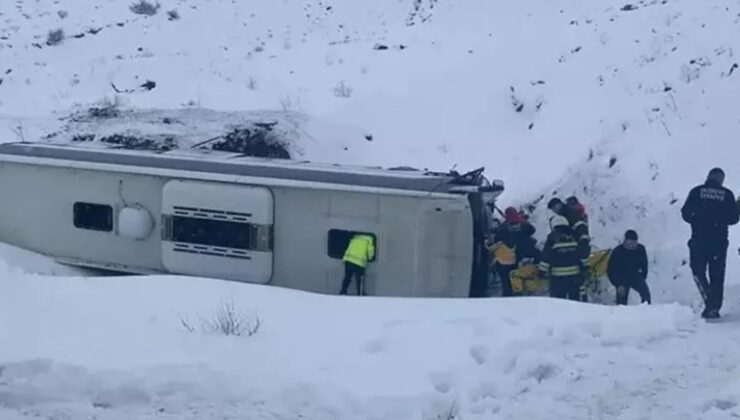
(223, 215)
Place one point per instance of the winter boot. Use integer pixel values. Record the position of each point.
(710, 314)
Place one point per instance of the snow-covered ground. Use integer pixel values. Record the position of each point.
(117, 349)
(627, 104)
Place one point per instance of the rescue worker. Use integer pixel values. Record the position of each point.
(578, 223)
(360, 251)
(628, 269)
(710, 209)
(503, 256)
(522, 235)
(576, 205)
(563, 261)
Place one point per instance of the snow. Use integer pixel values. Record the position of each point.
(627, 107)
(115, 348)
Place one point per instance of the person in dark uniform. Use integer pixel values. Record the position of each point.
(522, 232)
(628, 269)
(563, 261)
(710, 209)
(578, 223)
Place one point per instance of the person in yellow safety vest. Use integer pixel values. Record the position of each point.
(564, 260)
(504, 260)
(360, 251)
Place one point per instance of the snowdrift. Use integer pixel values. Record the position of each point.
(117, 348)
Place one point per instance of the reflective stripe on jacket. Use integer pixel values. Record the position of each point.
(563, 256)
(361, 249)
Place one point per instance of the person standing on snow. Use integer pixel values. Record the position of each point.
(360, 251)
(563, 261)
(503, 255)
(577, 206)
(628, 268)
(578, 223)
(522, 235)
(710, 209)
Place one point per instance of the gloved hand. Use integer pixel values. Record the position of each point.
(621, 290)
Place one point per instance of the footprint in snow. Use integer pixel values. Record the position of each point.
(396, 323)
(720, 404)
(511, 321)
(484, 391)
(441, 381)
(479, 354)
(375, 346)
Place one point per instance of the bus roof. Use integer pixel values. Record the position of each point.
(219, 162)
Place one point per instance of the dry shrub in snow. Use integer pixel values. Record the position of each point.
(226, 321)
(107, 108)
(143, 7)
(448, 413)
(55, 37)
(341, 90)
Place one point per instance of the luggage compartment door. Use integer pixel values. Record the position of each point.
(218, 230)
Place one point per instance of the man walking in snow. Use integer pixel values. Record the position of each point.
(710, 208)
(628, 268)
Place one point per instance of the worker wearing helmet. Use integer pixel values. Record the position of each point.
(563, 260)
(576, 220)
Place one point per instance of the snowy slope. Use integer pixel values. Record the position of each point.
(438, 96)
(626, 104)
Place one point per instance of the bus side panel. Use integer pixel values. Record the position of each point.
(396, 269)
(38, 212)
(445, 235)
(299, 256)
(312, 228)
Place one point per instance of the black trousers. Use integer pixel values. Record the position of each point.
(711, 255)
(566, 287)
(352, 270)
(640, 286)
(503, 272)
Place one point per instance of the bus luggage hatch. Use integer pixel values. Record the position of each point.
(218, 230)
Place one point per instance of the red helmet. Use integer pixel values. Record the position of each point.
(512, 215)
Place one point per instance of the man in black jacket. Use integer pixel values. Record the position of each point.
(710, 208)
(628, 268)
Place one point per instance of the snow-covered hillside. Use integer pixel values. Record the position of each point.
(445, 91)
(625, 103)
